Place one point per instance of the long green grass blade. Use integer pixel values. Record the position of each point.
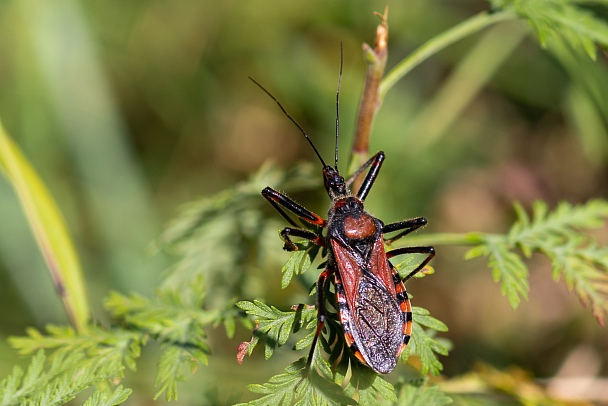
(49, 230)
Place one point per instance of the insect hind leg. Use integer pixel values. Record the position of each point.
(321, 314)
(430, 251)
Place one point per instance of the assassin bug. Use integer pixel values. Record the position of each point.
(373, 305)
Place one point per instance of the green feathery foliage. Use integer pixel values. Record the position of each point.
(424, 344)
(561, 20)
(299, 262)
(219, 232)
(274, 325)
(176, 320)
(107, 397)
(575, 257)
(291, 388)
(61, 378)
(417, 393)
(175, 317)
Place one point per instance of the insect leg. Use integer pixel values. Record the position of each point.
(407, 226)
(376, 163)
(299, 232)
(278, 199)
(320, 315)
(430, 251)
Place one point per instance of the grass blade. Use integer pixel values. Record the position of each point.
(49, 229)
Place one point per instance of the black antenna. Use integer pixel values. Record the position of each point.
(291, 118)
(338, 103)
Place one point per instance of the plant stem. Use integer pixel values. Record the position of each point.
(465, 239)
(467, 79)
(375, 62)
(436, 44)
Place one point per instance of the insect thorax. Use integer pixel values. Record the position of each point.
(353, 227)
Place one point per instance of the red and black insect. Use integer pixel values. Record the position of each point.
(372, 302)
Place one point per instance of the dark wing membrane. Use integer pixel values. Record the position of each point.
(369, 310)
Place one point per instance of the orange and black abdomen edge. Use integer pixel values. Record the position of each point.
(376, 318)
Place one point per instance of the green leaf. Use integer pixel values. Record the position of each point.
(408, 264)
(423, 342)
(577, 259)
(211, 234)
(506, 266)
(422, 395)
(59, 380)
(584, 269)
(49, 229)
(16, 385)
(173, 317)
(368, 387)
(423, 317)
(560, 20)
(560, 223)
(170, 371)
(107, 397)
(292, 388)
(275, 325)
(557, 234)
(177, 321)
(107, 346)
(299, 262)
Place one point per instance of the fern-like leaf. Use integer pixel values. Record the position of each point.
(107, 397)
(292, 388)
(420, 394)
(212, 234)
(299, 262)
(275, 325)
(116, 346)
(177, 321)
(557, 234)
(507, 267)
(16, 385)
(170, 370)
(584, 269)
(59, 380)
(561, 20)
(368, 387)
(424, 344)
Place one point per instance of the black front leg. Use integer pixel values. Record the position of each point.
(278, 199)
(376, 163)
(407, 226)
(299, 232)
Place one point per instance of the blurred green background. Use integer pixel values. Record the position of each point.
(130, 108)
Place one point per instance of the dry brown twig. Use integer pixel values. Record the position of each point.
(375, 59)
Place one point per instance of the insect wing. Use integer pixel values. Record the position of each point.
(371, 313)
